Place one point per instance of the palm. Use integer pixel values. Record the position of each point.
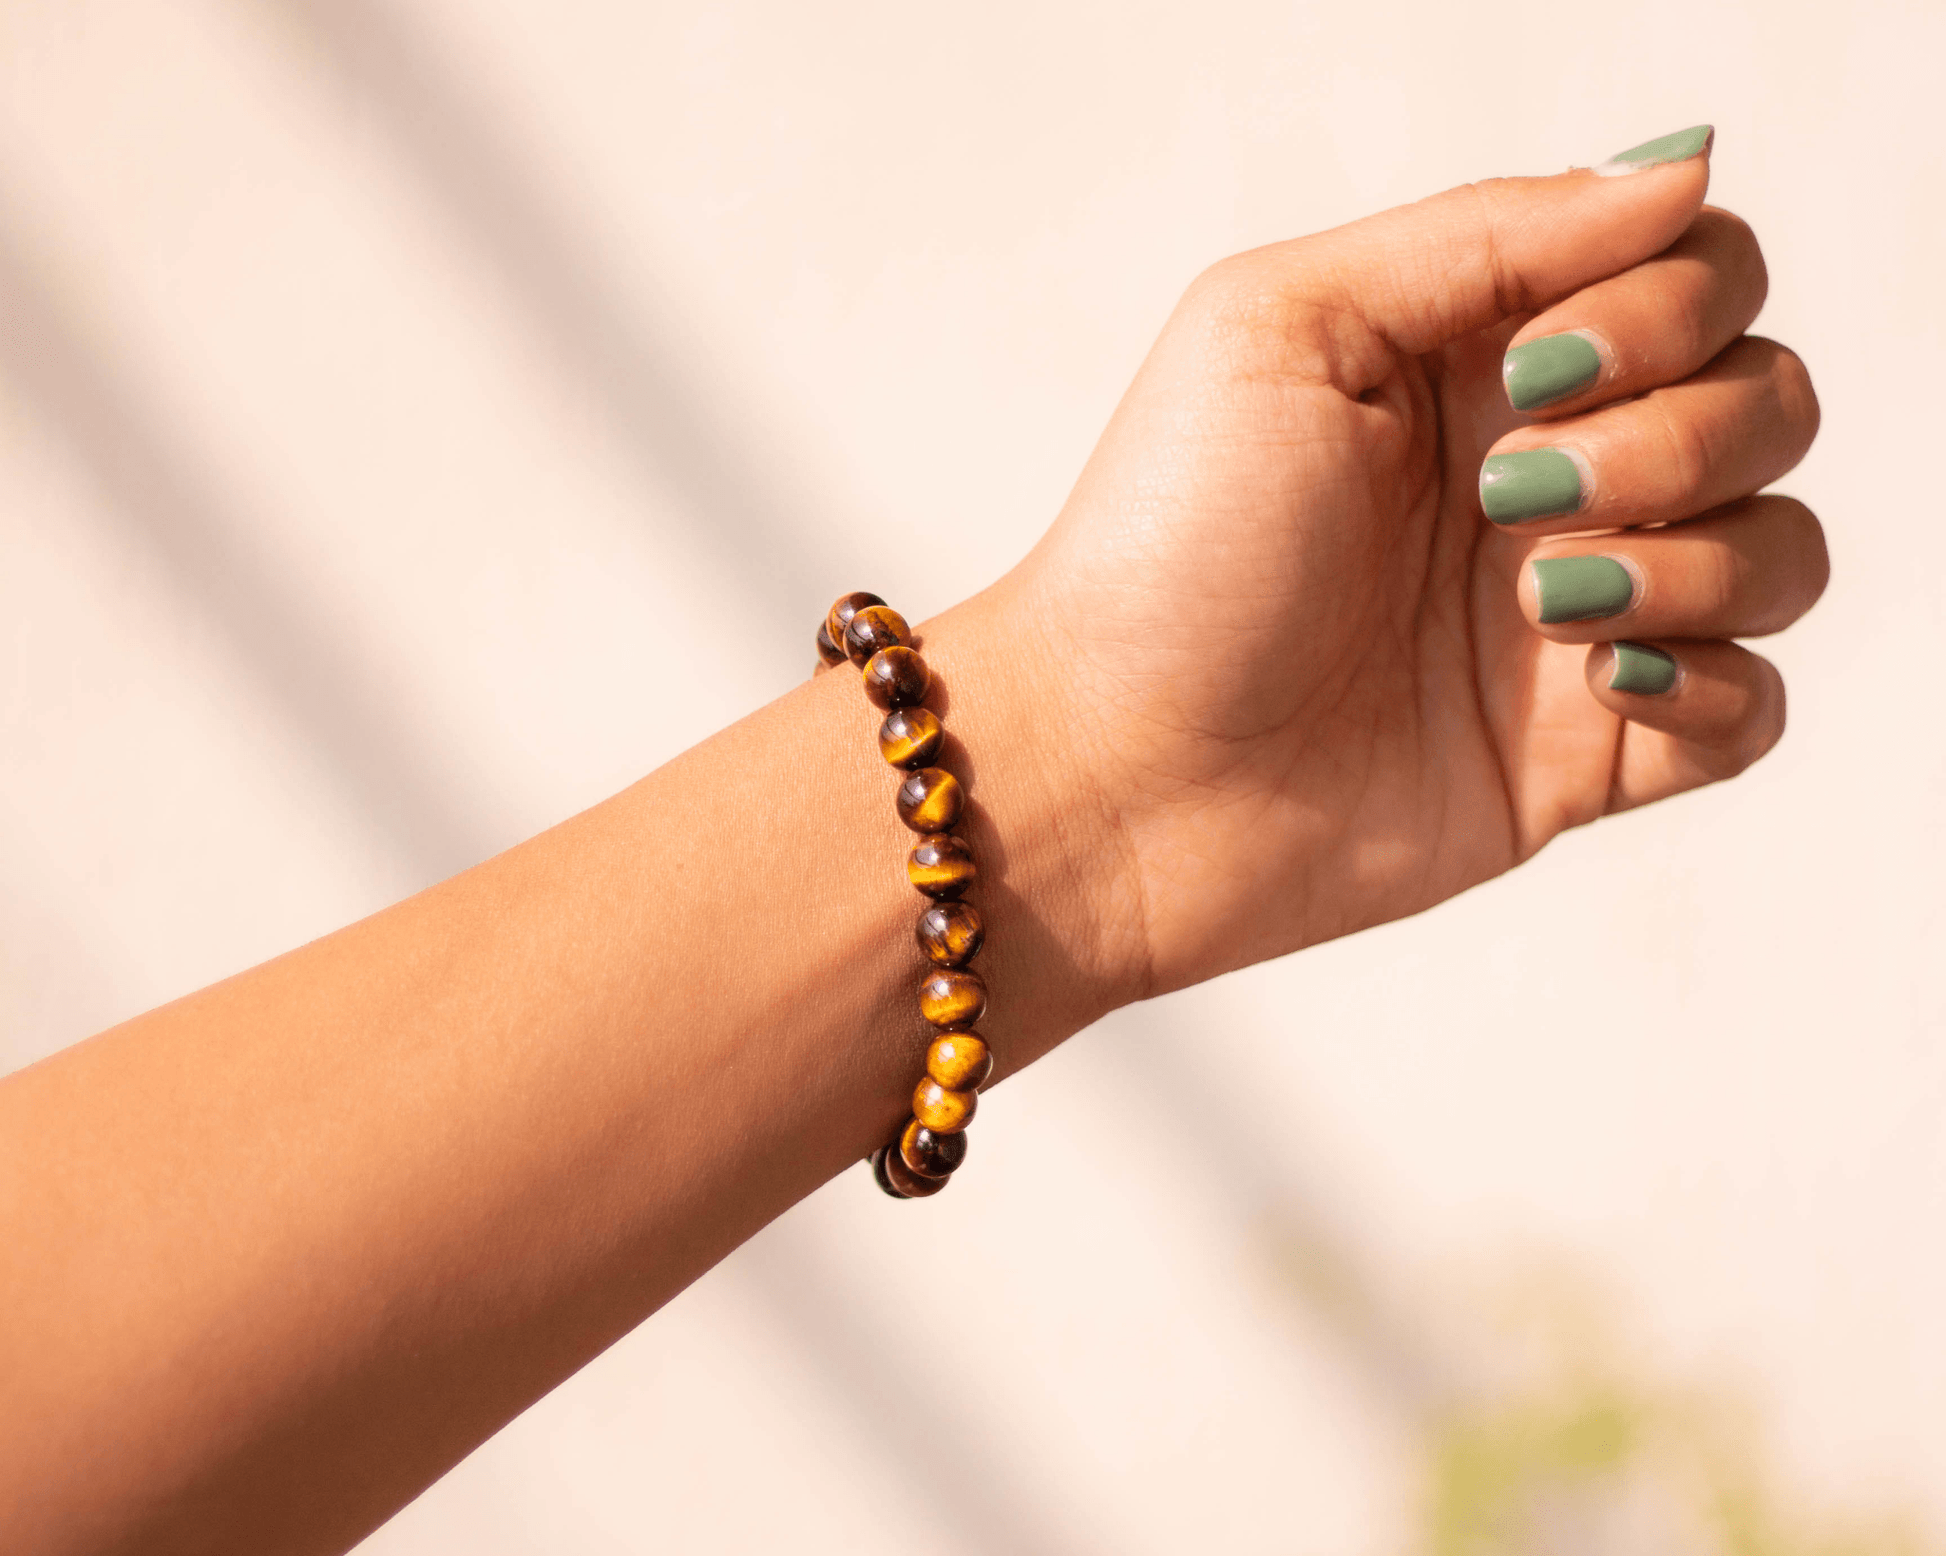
(1309, 640)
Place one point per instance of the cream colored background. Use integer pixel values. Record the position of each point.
(399, 397)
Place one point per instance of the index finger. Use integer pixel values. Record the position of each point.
(1649, 326)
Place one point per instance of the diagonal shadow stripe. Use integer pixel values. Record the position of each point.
(346, 710)
(982, 1500)
(679, 437)
(1320, 1268)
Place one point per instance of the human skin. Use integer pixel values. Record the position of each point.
(275, 1256)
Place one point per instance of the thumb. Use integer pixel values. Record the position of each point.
(1425, 274)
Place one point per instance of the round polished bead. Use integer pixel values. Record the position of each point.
(960, 1061)
(952, 997)
(896, 678)
(950, 933)
(839, 616)
(907, 1183)
(930, 1154)
(943, 1112)
(878, 1170)
(911, 737)
(930, 800)
(941, 865)
(829, 653)
(873, 628)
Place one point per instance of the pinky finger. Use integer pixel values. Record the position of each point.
(1697, 712)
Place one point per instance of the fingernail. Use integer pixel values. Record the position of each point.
(1582, 588)
(1680, 147)
(1538, 484)
(1549, 369)
(1648, 672)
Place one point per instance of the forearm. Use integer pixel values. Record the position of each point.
(278, 1254)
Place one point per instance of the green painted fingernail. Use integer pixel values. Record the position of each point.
(1680, 147)
(1648, 672)
(1582, 588)
(1538, 484)
(1549, 369)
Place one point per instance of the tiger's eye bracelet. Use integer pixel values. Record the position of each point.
(863, 630)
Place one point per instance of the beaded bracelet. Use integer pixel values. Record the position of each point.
(863, 629)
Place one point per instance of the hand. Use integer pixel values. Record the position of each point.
(1313, 684)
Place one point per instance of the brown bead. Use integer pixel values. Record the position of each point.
(839, 616)
(930, 1154)
(941, 865)
(950, 933)
(930, 800)
(952, 997)
(907, 1183)
(943, 1112)
(960, 1061)
(896, 678)
(873, 628)
(911, 737)
(829, 653)
(878, 1170)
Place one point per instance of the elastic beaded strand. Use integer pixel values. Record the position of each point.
(920, 1160)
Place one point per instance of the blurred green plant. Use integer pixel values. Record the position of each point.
(1540, 1434)
(1601, 1465)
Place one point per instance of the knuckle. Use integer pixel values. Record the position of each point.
(1749, 727)
(1762, 569)
(1795, 393)
(1763, 727)
(1741, 256)
(1811, 556)
(1250, 314)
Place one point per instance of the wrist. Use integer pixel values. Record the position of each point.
(1057, 883)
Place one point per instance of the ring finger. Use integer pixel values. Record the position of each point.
(1750, 569)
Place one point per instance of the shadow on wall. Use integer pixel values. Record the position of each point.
(678, 435)
(1534, 1436)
